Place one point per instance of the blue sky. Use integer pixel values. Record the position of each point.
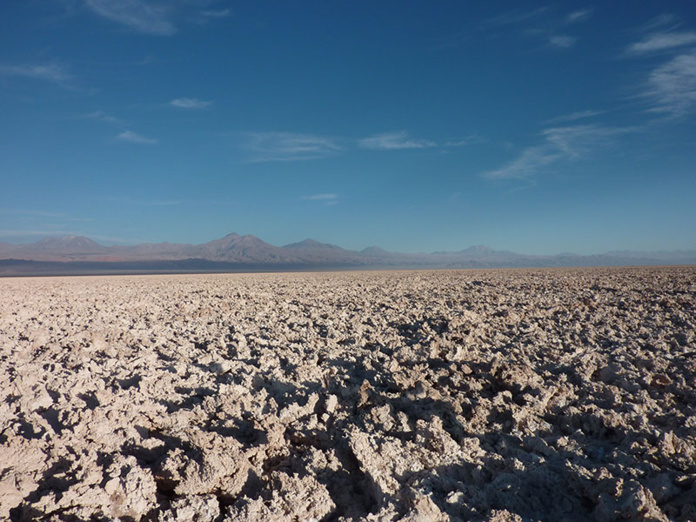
(417, 126)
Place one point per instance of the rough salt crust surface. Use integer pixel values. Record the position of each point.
(449, 395)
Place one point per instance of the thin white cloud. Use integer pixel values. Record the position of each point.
(394, 141)
(542, 22)
(562, 41)
(52, 219)
(33, 213)
(190, 103)
(52, 72)
(222, 13)
(529, 162)
(288, 146)
(659, 22)
(575, 116)
(326, 199)
(662, 41)
(578, 16)
(672, 86)
(321, 197)
(578, 140)
(560, 144)
(463, 142)
(515, 17)
(10, 234)
(76, 219)
(144, 17)
(145, 202)
(104, 117)
(134, 137)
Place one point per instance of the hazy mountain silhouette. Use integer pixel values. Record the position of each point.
(154, 250)
(237, 252)
(311, 250)
(311, 245)
(236, 248)
(66, 248)
(375, 251)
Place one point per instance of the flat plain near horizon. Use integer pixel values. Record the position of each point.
(502, 395)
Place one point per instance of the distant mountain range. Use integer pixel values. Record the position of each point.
(78, 254)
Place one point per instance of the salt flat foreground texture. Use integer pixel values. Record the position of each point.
(492, 395)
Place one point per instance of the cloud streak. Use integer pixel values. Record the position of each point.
(394, 141)
(662, 42)
(103, 117)
(660, 21)
(515, 17)
(288, 146)
(672, 86)
(33, 213)
(145, 202)
(321, 197)
(190, 103)
(529, 162)
(326, 199)
(52, 72)
(559, 144)
(144, 17)
(18, 233)
(542, 22)
(579, 140)
(562, 41)
(575, 116)
(578, 16)
(222, 13)
(134, 137)
(463, 142)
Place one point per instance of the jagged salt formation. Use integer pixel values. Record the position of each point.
(492, 395)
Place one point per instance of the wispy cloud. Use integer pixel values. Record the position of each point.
(144, 17)
(144, 202)
(463, 142)
(579, 16)
(659, 22)
(190, 103)
(30, 212)
(575, 116)
(672, 86)
(579, 140)
(394, 141)
(661, 42)
(52, 72)
(288, 146)
(327, 199)
(10, 234)
(156, 17)
(559, 144)
(514, 17)
(562, 41)
(221, 13)
(543, 22)
(134, 137)
(41, 218)
(103, 117)
(321, 197)
(530, 162)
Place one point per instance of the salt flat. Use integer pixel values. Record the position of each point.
(476, 395)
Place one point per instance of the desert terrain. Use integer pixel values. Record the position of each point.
(501, 395)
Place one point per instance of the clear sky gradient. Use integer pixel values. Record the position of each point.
(413, 125)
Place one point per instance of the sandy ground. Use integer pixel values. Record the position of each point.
(470, 395)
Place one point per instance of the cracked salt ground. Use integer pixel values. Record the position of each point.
(450, 395)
